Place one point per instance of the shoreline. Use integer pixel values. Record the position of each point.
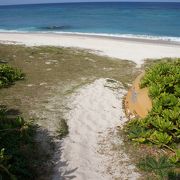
(140, 39)
(133, 49)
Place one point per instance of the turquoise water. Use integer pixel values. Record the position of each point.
(146, 20)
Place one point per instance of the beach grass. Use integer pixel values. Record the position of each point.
(68, 68)
(52, 75)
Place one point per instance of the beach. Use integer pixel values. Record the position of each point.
(72, 74)
(136, 50)
(85, 84)
(87, 91)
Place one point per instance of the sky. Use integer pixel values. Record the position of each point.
(9, 2)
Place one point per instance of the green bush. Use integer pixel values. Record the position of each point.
(160, 167)
(8, 75)
(16, 135)
(176, 158)
(162, 125)
(16, 138)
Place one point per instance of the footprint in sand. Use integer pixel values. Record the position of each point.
(95, 109)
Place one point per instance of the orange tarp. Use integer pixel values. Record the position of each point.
(137, 101)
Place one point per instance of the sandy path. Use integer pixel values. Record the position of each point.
(134, 50)
(95, 109)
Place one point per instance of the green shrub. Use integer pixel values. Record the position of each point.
(160, 167)
(176, 158)
(160, 138)
(163, 121)
(162, 124)
(16, 137)
(8, 75)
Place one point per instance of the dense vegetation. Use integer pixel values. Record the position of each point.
(8, 75)
(15, 134)
(161, 127)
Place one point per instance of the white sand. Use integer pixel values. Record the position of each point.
(117, 48)
(95, 110)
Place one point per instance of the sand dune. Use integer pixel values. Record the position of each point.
(132, 49)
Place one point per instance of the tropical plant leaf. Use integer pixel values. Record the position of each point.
(160, 138)
(159, 166)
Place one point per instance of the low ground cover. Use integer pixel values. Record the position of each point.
(8, 75)
(16, 135)
(52, 75)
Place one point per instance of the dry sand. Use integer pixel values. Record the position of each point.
(95, 110)
(123, 48)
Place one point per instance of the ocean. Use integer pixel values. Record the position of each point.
(122, 19)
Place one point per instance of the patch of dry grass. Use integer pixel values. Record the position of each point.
(52, 74)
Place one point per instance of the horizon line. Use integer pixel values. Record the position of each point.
(91, 2)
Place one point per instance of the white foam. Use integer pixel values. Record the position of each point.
(150, 37)
(133, 36)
